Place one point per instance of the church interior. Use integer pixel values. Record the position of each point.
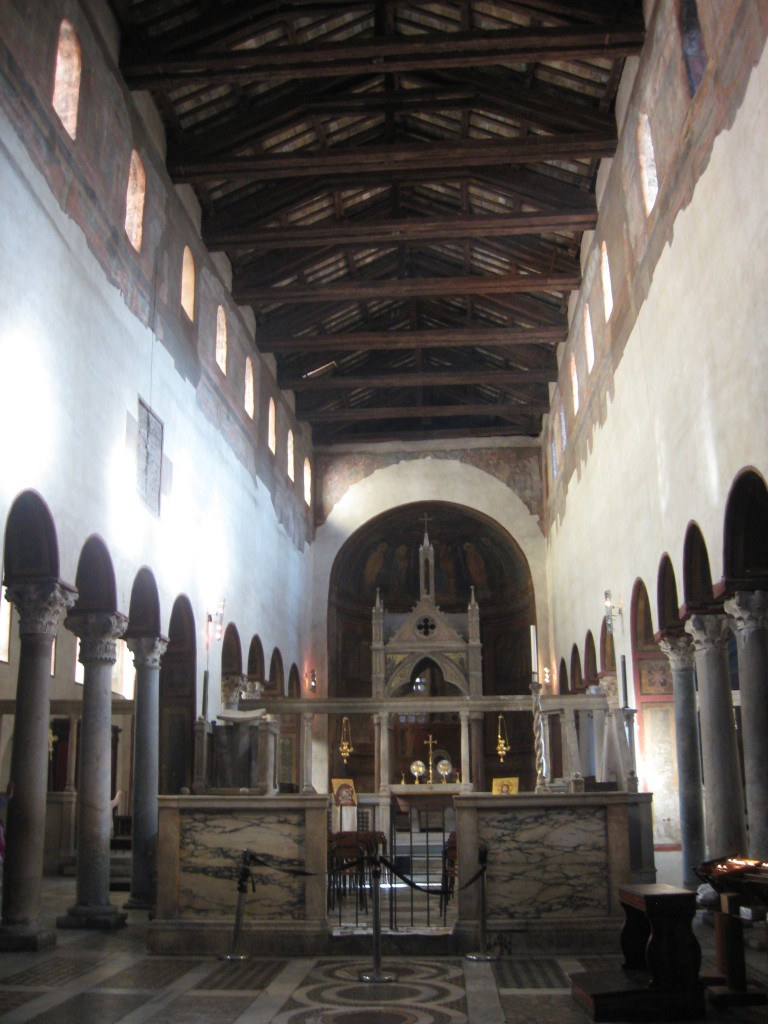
(391, 384)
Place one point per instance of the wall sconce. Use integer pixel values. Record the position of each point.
(345, 743)
(610, 611)
(312, 680)
(216, 622)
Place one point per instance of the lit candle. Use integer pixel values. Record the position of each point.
(534, 653)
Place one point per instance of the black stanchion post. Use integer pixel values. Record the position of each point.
(243, 876)
(376, 974)
(482, 856)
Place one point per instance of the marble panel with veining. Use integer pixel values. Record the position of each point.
(211, 845)
(546, 863)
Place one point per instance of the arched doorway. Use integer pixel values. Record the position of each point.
(470, 551)
(178, 700)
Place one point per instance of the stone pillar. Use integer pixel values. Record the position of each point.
(307, 719)
(71, 752)
(147, 652)
(39, 606)
(749, 618)
(202, 769)
(269, 730)
(98, 632)
(465, 775)
(679, 650)
(476, 748)
(723, 802)
(381, 725)
(571, 759)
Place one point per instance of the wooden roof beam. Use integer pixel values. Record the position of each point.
(411, 379)
(451, 337)
(423, 229)
(357, 291)
(358, 163)
(382, 55)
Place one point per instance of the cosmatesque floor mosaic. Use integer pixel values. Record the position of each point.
(98, 978)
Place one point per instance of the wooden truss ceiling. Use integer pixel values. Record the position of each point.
(401, 188)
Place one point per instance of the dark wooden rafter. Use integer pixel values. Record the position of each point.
(359, 290)
(355, 165)
(400, 187)
(393, 231)
(390, 55)
(366, 341)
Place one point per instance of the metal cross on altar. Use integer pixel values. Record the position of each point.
(430, 742)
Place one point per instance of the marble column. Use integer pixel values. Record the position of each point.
(679, 650)
(465, 774)
(381, 722)
(269, 731)
(307, 720)
(749, 618)
(571, 758)
(476, 749)
(98, 632)
(39, 606)
(71, 753)
(147, 652)
(723, 796)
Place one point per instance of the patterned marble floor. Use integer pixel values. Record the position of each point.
(96, 978)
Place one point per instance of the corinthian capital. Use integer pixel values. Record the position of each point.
(40, 604)
(679, 650)
(98, 632)
(748, 610)
(709, 632)
(147, 650)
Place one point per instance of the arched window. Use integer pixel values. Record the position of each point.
(605, 277)
(554, 459)
(574, 384)
(66, 83)
(648, 175)
(307, 481)
(248, 400)
(221, 339)
(563, 429)
(272, 427)
(188, 283)
(134, 201)
(694, 52)
(589, 341)
(289, 456)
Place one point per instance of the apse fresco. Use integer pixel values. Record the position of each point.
(469, 551)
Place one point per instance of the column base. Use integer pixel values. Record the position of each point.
(25, 939)
(139, 903)
(106, 917)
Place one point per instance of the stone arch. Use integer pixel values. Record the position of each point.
(562, 677)
(607, 649)
(276, 680)
(402, 677)
(666, 597)
(178, 699)
(590, 660)
(231, 652)
(697, 577)
(144, 609)
(30, 545)
(256, 660)
(576, 676)
(95, 579)
(294, 681)
(745, 534)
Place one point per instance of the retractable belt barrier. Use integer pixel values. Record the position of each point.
(249, 859)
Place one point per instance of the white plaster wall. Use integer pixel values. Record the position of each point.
(689, 408)
(73, 363)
